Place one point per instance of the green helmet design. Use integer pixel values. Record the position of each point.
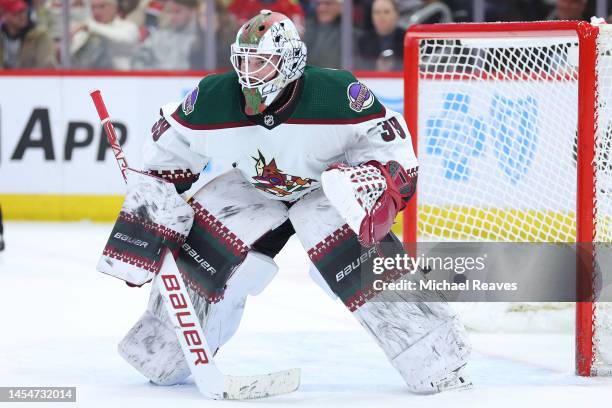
(267, 56)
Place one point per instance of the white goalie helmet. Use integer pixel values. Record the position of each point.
(267, 56)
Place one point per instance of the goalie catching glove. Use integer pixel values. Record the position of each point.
(153, 217)
(369, 196)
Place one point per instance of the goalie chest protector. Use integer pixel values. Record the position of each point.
(283, 151)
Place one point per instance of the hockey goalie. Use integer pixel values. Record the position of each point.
(312, 152)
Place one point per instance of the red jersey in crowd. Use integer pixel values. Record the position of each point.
(245, 9)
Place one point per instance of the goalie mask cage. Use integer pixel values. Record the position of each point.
(512, 125)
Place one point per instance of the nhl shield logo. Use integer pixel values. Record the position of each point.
(359, 96)
(190, 101)
(269, 120)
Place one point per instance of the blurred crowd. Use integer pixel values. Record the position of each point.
(184, 34)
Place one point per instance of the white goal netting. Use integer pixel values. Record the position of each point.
(497, 145)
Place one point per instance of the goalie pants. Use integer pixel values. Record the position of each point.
(228, 256)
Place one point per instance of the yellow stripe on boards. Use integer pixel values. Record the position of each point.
(496, 224)
(456, 223)
(57, 207)
(398, 227)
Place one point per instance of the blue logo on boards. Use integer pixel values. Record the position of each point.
(513, 128)
(456, 136)
(459, 137)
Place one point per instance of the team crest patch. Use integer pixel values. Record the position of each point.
(359, 96)
(190, 101)
(272, 180)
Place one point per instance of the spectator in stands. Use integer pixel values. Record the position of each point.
(148, 15)
(323, 36)
(362, 15)
(381, 49)
(461, 9)
(503, 10)
(170, 47)
(243, 10)
(106, 41)
(127, 7)
(225, 27)
(22, 43)
(48, 14)
(572, 10)
(532, 10)
(308, 7)
(427, 12)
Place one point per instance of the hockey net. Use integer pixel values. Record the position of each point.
(502, 117)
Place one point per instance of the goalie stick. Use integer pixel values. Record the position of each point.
(211, 382)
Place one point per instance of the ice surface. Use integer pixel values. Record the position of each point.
(60, 322)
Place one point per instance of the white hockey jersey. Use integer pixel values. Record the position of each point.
(327, 116)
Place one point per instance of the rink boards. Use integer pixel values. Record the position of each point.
(54, 163)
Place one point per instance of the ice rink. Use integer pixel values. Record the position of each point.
(60, 323)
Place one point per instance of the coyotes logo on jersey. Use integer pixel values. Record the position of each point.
(274, 181)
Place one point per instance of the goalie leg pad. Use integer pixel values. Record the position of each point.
(420, 334)
(219, 269)
(250, 278)
(151, 346)
(425, 341)
(153, 216)
(333, 248)
(230, 216)
(152, 349)
(316, 276)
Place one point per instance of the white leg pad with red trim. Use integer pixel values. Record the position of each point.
(151, 345)
(425, 341)
(421, 335)
(152, 215)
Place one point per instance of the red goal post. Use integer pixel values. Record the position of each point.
(469, 78)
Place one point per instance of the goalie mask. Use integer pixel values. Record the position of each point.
(267, 56)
